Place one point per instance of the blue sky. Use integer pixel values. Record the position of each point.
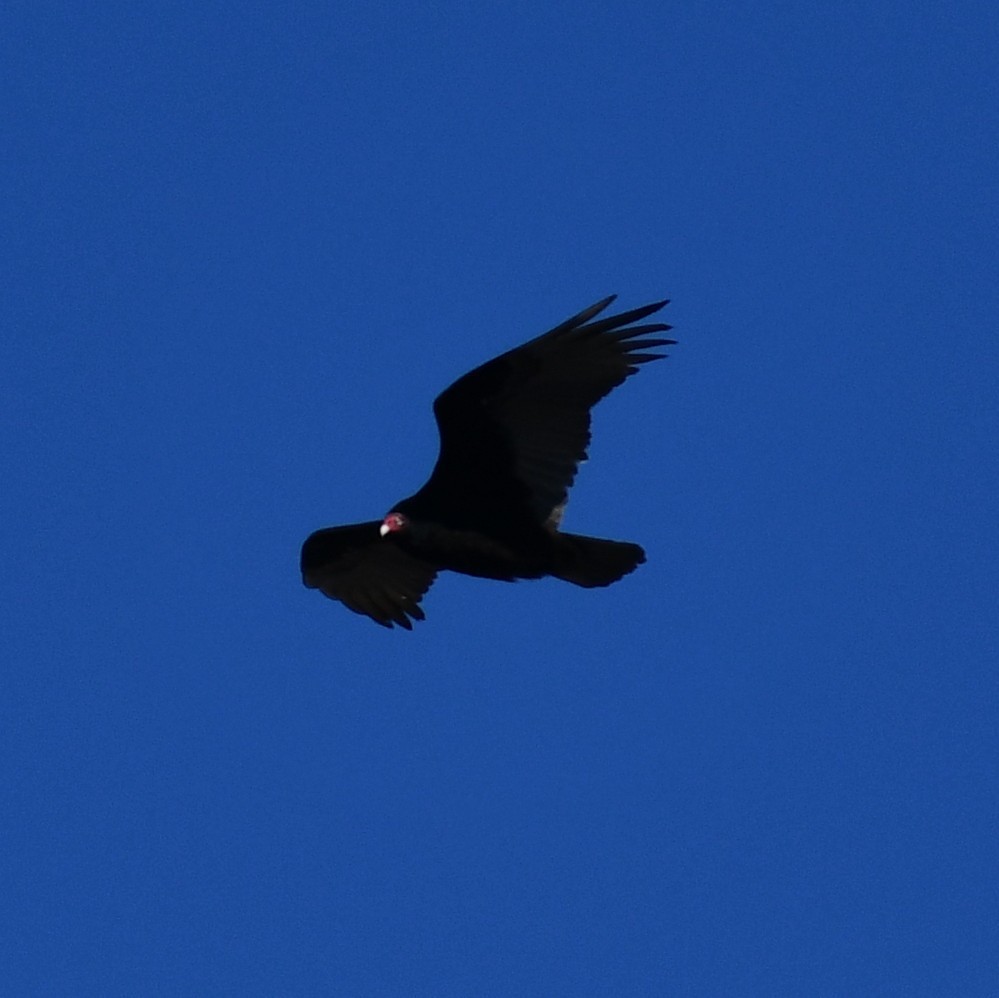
(245, 245)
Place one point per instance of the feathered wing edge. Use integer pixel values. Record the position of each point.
(609, 321)
(563, 373)
(538, 397)
(369, 574)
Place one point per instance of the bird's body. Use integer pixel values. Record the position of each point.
(513, 432)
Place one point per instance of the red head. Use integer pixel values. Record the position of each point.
(393, 523)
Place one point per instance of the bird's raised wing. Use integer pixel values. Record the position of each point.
(369, 574)
(518, 426)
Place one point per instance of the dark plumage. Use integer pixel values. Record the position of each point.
(512, 433)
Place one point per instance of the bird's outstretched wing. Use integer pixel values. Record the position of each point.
(517, 427)
(369, 574)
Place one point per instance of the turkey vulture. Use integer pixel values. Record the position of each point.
(512, 433)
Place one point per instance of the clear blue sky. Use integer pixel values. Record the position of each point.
(244, 246)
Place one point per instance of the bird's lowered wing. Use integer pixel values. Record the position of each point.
(369, 574)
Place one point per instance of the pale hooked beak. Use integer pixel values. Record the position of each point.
(383, 529)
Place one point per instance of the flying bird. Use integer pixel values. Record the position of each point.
(512, 435)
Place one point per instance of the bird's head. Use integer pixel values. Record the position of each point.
(393, 523)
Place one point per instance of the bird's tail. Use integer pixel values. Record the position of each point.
(592, 561)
